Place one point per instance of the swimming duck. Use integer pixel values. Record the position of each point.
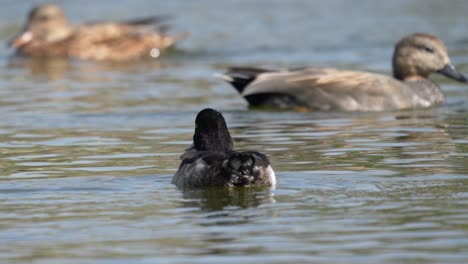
(47, 33)
(416, 56)
(212, 160)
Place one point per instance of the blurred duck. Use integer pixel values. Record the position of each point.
(212, 160)
(415, 57)
(47, 33)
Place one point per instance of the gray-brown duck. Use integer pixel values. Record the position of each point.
(416, 56)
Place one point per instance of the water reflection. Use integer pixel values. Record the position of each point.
(407, 142)
(49, 68)
(61, 68)
(219, 199)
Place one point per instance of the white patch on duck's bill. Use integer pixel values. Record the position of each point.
(26, 37)
(23, 39)
(272, 175)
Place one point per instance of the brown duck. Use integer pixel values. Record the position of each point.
(47, 33)
(415, 57)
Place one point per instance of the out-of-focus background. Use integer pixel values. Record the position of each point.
(87, 149)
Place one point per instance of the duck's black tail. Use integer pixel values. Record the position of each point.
(241, 77)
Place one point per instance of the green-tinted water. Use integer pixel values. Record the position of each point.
(87, 150)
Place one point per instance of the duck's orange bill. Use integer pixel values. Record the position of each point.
(21, 40)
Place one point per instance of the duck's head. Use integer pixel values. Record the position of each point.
(211, 132)
(418, 55)
(46, 23)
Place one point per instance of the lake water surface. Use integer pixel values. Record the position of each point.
(87, 150)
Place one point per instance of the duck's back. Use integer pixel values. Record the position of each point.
(233, 168)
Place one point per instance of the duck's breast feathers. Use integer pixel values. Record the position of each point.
(328, 88)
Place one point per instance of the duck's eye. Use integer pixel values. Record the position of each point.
(43, 18)
(428, 49)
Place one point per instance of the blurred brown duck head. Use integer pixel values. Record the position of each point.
(46, 23)
(418, 55)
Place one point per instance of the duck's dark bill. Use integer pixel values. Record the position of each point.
(450, 71)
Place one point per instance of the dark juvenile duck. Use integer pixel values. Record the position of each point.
(415, 57)
(212, 160)
(47, 33)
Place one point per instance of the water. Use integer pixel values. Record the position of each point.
(87, 149)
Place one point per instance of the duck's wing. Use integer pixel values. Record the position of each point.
(199, 169)
(119, 41)
(327, 89)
